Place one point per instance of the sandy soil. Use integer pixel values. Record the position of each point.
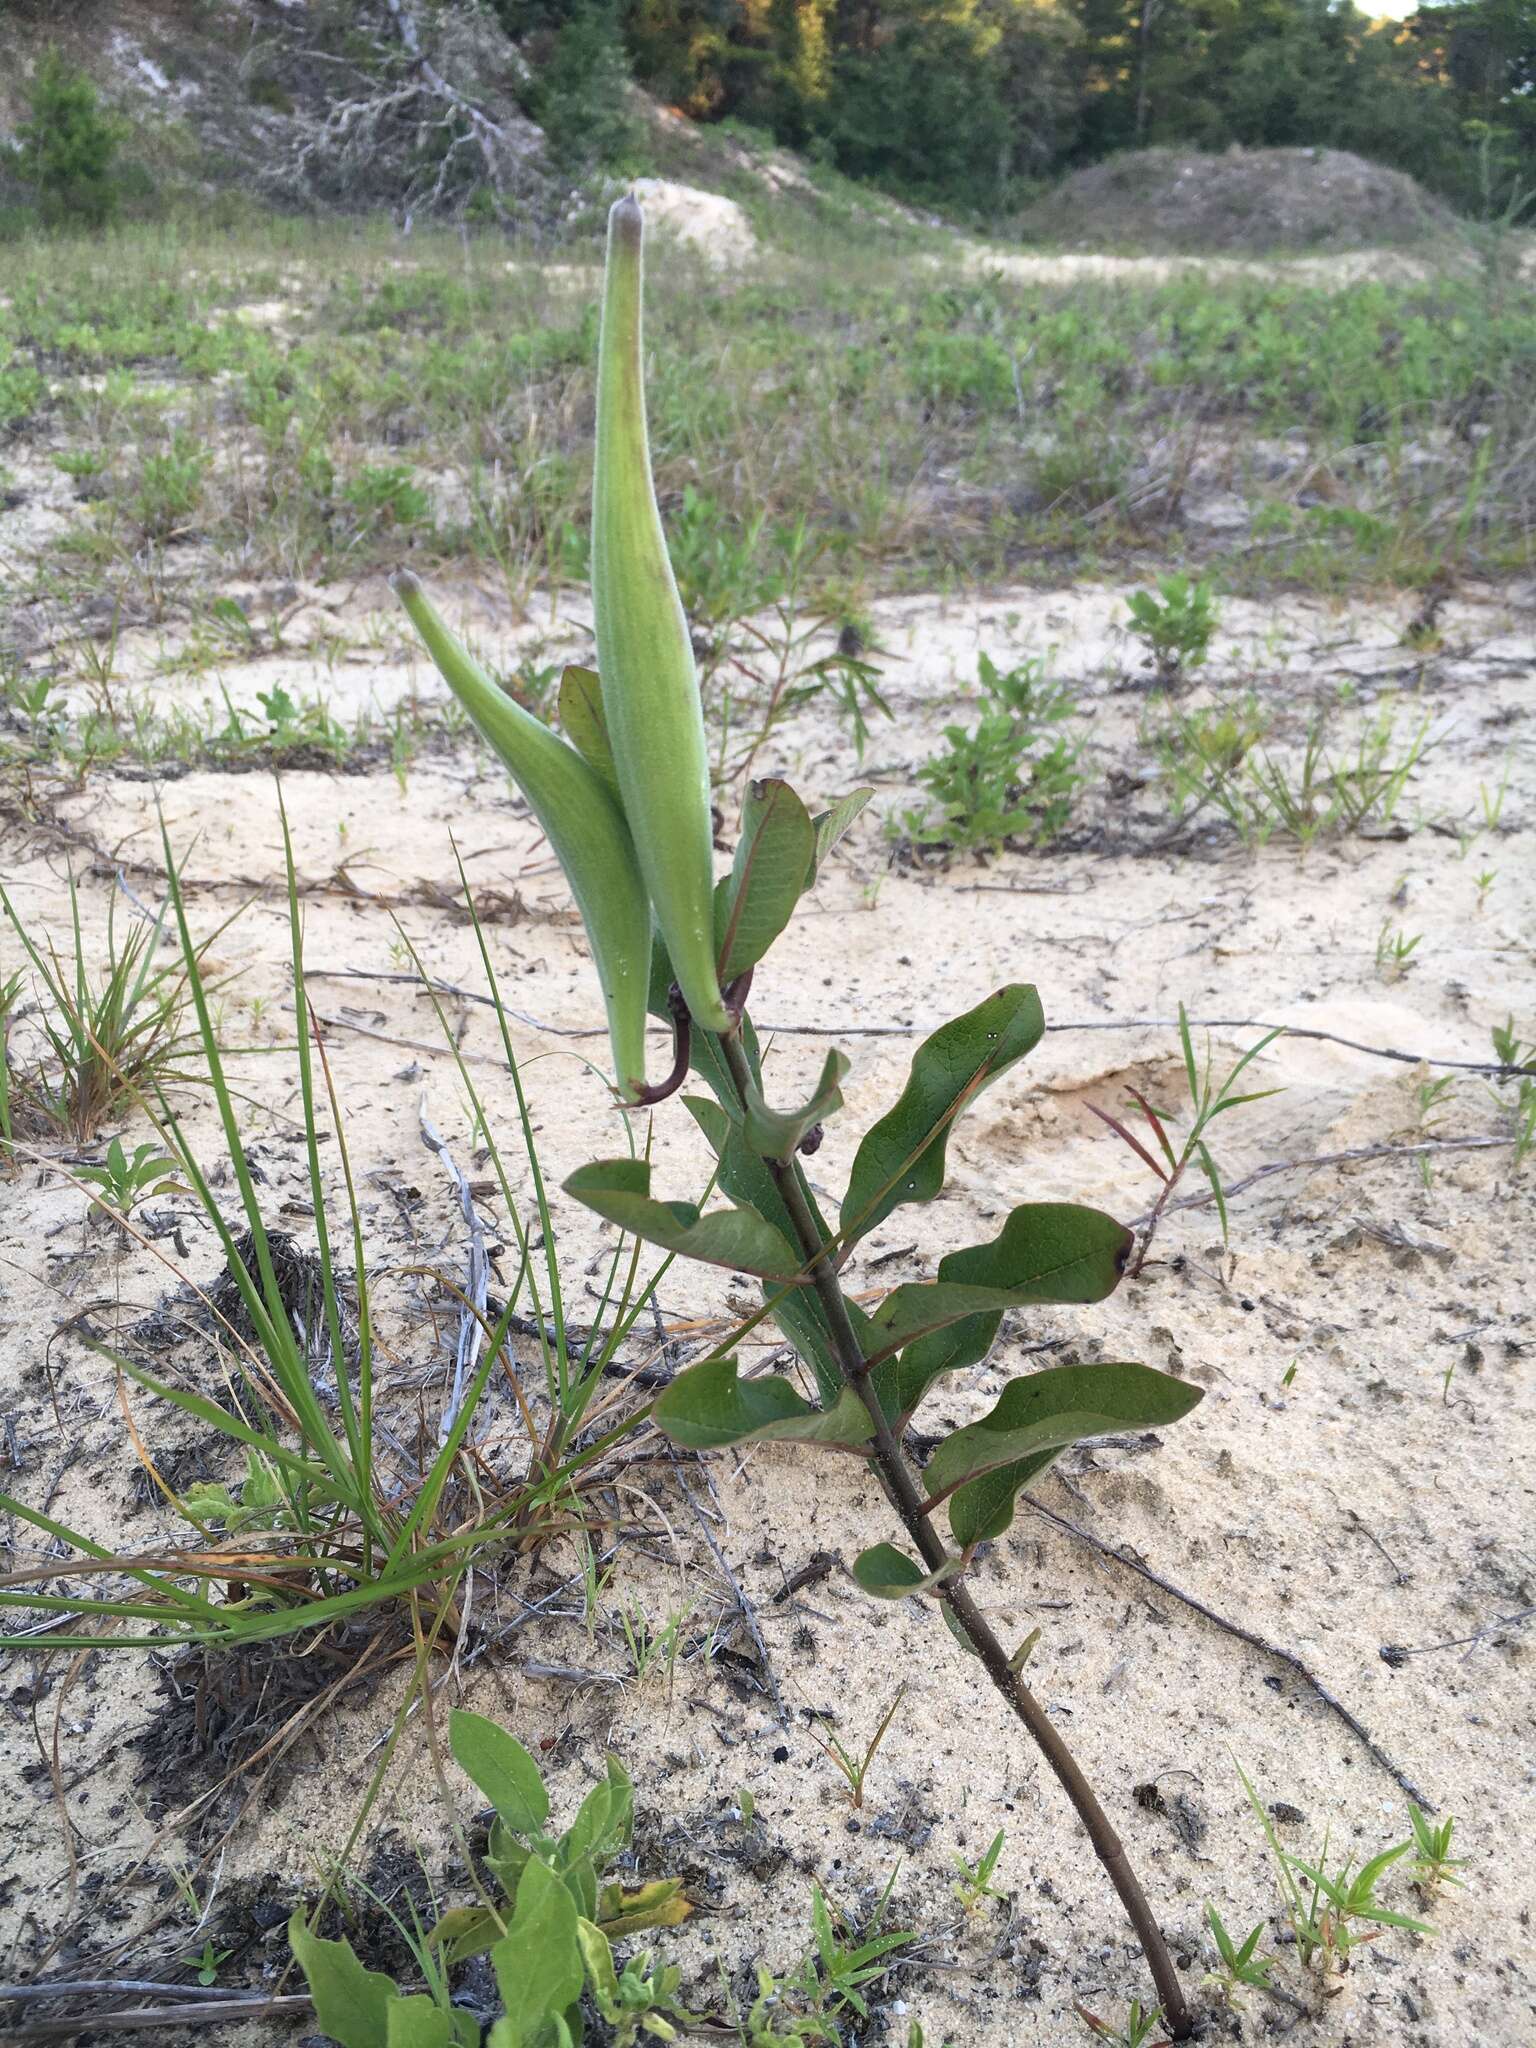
(1358, 1475)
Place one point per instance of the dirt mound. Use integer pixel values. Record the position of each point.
(1245, 199)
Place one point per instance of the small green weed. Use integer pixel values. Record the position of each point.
(1433, 1864)
(1141, 2023)
(1217, 761)
(1241, 1963)
(1510, 1050)
(975, 1881)
(125, 1180)
(1013, 776)
(548, 1935)
(1395, 950)
(1175, 624)
(110, 1034)
(1331, 1912)
(1208, 1100)
(810, 2003)
(855, 1769)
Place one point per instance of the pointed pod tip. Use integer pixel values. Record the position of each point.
(405, 583)
(626, 221)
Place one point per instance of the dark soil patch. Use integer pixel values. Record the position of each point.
(248, 1712)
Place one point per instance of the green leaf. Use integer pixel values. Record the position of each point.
(502, 1768)
(1048, 1410)
(601, 1975)
(889, 1574)
(602, 1828)
(1045, 1252)
(902, 1158)
(582, 721)
(620, 1189)
(708, 1406)
(538, 1965)
(466, 1931)
(833, 824)
(351, 2003)
(983, 1508)
(746, 1179)
(773, 857)
(658, 1904)
(418, 2022)
(775, 1133)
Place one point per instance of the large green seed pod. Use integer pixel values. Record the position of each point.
(644, 653)
(581, 820)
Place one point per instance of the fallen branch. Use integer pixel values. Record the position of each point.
(217, 2012)
(1244, 1635)
(1359, 1152)
(1496, 1069)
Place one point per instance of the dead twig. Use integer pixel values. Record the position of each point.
(743, 1605)
(1359, 1152)
(217, 2012)
(1397, 1653)
(477, 1274)
(1288, 1658)
(1494, 1068)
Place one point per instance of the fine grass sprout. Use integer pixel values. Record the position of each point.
(1241, 1965)
(975, 1880)
(1136, 2031)
(1433, 1864)
(1208, 1100)
(1331, 1911)
(855, 1769)
(111, 1033)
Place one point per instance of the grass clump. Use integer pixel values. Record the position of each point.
(1220, 761)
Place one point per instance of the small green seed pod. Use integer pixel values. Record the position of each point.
(582, 822)
(644, 653)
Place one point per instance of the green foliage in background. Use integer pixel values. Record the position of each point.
(67, 148)
(967, 101)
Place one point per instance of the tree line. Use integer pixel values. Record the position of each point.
(973, 102)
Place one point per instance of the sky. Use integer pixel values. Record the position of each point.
(1394, 10)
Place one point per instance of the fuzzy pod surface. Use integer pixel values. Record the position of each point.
(645, 665)
(583, 823)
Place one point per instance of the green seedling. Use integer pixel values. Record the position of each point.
(1434, 1866)
(1012, 777)
(10, 997)
(1511, 1051)
(1241, 1963)
(548, 1931)
(855, 1769)
(812, 2002)
(1140, 2024)
(1395, 951)
(208, 1962)
(652, 1650)
(1175, 624)
(1484, 882)
(975, 1881)
(124, 1181)
(109, 1034)
(1331, 1912)
(1429, 1097)
(1208, 1100)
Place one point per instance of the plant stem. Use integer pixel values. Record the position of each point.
(906, 1497)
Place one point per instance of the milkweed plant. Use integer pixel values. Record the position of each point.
(624, 799)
